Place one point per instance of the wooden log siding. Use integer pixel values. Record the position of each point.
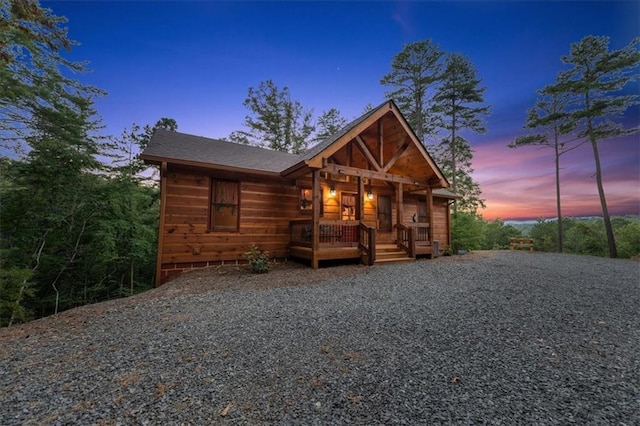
(440, 224)
(265, 210)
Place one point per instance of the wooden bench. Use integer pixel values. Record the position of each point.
(521, 243)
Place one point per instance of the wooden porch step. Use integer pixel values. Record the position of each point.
(391, 253)
(394, 260)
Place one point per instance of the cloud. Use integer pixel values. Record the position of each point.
(402, 16)
(520, 183)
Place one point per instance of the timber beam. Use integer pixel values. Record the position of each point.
(371, 174)
(367, 153)
(396, 156)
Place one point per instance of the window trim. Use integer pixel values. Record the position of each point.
(210, 223)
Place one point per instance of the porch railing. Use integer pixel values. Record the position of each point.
(301, 232)
(367, 243)
(406, 239)
(331, 233)
(411, 236)
(421, 233)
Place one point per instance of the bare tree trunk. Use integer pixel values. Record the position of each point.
(24, 282)
(64, 268)
(131, 275)
(613, 251)
(18, 299)
(560, 245)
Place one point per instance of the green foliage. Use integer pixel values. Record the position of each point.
(258, 259)
(467, 232)
(459, 170)
(82, 236)
(628, 237)
(15, 286)
(438, 91)
(544, 235)
(277, 122)
(596, 81)
(329, 123)
(587, 238)
(415, 71)
(459, 95)
(497, 234)
(124, 151)
(456, 102)
(78, 236)
(35, 89)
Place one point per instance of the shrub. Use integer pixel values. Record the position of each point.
(258, 259)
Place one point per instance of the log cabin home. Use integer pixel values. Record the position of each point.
(369, 192)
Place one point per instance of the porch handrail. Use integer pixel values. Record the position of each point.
(331, 233)
(406, 238)
(301, 232)
(421, 231)
(367, 242)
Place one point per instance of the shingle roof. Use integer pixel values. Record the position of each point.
(209, 152)
(446, 194)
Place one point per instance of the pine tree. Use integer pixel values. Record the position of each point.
(597, 78)
(549, 119)
(32, 71)
(415, 71)
(276, 121)
(329, 123)
(456, 101)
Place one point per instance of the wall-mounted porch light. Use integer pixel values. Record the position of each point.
(332, 191)
(369, 194)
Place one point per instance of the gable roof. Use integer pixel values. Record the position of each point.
(313, 157)
(320, 146)
(205, 152)
(185, 149)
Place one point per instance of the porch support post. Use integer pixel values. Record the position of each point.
(430, 213)
(315, 235)
(360, 205)
(381, 143)
(399, 206)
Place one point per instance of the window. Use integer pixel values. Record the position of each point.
(306, 201)
(422, 211)
(348, 204)
(225, 205)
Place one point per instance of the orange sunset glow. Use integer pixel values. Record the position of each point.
(519, 184)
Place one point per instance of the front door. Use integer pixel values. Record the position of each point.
(384, 213)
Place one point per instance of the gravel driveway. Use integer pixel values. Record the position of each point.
(504, 338)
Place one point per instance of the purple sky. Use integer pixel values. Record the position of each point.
(194, 62)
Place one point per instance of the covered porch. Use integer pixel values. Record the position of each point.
(367, 193)
(343, 240)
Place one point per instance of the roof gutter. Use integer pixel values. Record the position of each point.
(150, 159)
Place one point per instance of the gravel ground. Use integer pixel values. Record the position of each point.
(498, 338)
